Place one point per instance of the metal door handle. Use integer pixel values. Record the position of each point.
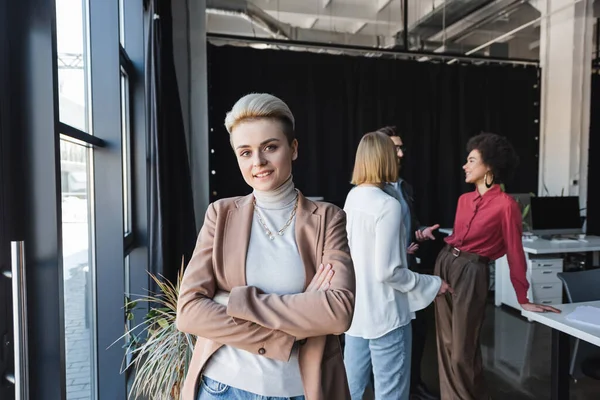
(19, 297)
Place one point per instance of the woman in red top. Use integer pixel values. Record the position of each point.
(487, 226)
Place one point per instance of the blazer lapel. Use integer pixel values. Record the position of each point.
(237, 237)
(307, 236)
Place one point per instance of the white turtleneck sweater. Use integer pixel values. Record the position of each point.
(273, 266)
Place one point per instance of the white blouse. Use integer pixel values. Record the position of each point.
(387, 292)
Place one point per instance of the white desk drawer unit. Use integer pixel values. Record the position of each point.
(546, 275)
(545, 263)
(546, 288)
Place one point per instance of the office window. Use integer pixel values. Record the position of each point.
(73, 65)
(78, 267)
(101, 126)
(121, 23)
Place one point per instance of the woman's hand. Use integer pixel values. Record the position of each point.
(445, 288)
(427, 233)
(539, 308)
(412, 249)
(322, 279)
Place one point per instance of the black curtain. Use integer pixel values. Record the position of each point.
(593, 200)
(172, 230)
(336, 99)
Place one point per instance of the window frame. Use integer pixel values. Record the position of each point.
(126, 140)
(127, 69)
(36, 128)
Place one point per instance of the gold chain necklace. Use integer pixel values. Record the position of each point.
(282, 230)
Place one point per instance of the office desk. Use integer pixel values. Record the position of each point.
(561, 330)
(543, 246)
(542, 266)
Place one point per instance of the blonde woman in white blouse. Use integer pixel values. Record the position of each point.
(387, 292)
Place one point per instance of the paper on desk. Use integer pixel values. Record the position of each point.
(586, 315)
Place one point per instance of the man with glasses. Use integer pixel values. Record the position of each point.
(404, 193)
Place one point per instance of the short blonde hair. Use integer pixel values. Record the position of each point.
(261, 105)
(376, 160)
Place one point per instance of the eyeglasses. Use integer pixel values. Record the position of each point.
(400, 148)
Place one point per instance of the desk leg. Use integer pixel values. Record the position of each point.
(560, 366)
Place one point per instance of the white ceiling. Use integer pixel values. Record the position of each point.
(375, 23)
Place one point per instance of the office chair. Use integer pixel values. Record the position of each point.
(583, 286)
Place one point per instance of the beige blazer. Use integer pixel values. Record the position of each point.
(268, 324)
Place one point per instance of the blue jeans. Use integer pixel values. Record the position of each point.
(210, 389)
(388, 357)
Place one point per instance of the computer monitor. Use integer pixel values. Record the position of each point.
(555, 215)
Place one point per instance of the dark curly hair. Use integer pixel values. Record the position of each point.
(497, 153)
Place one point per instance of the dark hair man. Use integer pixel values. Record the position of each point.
(419, 233)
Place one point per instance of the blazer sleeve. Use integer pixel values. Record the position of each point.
(311, 313)
(410, 200)
(199, 315)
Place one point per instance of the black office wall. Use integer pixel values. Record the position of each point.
(336, 99)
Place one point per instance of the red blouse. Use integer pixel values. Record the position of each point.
(491, 226)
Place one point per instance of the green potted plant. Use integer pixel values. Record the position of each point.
(524, 213)
(524, 205)
(159, 353)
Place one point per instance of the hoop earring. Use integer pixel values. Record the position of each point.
(487, 185)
